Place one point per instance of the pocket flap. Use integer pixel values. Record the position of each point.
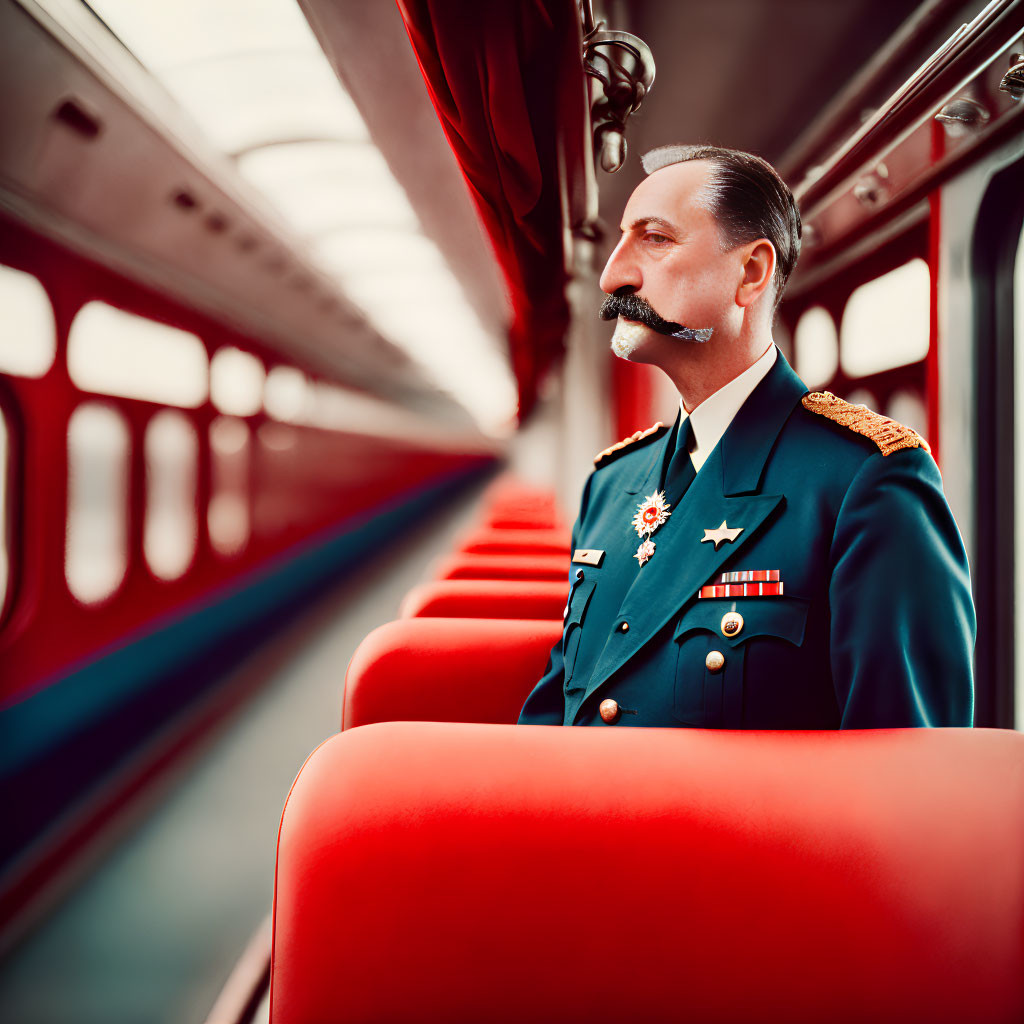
(578, 601)
(781, 617)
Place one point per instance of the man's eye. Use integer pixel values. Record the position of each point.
(655, 238)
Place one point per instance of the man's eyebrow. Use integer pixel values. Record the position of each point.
(660, 221)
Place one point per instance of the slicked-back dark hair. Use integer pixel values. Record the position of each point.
(747, 198)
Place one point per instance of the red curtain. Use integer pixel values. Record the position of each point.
(506, 79)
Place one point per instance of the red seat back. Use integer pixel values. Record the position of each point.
(531, 566)
(486, 599)
(440, 872)
(512, 504)
(486, 541)
(446, 670)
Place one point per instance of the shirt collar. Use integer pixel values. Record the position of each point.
(712, 417)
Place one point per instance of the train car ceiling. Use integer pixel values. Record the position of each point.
(232, 170)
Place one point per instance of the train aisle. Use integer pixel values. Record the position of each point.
(153, 933)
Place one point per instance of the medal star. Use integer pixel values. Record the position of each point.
(723, 533)
(651, 513)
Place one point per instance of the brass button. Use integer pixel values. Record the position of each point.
(732, 624)
(623, 627)
(714, 661)
(609, 710)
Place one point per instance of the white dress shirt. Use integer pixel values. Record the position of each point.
(712, 417)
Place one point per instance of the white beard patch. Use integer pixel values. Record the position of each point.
(626, 337)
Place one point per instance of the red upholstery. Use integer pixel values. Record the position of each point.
(505, 78)
(490, 541)
(486, 599)
(503, 567)
(442, 872)
(446, 670)
(510, 490)
(511, 519)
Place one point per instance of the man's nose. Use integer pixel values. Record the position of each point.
(621, 270)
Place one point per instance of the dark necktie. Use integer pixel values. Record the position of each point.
(680, 472)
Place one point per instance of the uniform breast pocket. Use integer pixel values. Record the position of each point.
(713, 638)
(573, 627)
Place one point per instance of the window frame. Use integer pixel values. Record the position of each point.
(995, 236)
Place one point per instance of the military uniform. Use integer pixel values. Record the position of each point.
(833, 590)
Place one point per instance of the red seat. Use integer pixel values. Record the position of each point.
(486, 599)
(441, 872)
(507, 493)
(503, 567)
(446, 670)
(488, 541)
(522, 519)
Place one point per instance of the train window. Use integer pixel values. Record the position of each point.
(4, 525)
(96, 553)
(236, 382)
(816, 346)
(171, 449)
(908, 407)
(112, 352)
(228, 516)
(287, 395)
(886, 321)
(28, 338)
(1018, 504)
(861, 396)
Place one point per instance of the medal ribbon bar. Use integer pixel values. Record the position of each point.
(773, 589)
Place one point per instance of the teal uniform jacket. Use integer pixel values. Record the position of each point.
(875, 626)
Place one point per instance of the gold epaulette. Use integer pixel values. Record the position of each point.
(889, 435)
(609, 454)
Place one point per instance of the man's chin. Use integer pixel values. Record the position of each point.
(628, 336)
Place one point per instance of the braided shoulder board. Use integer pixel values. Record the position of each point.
(612, 453)
(889, 435)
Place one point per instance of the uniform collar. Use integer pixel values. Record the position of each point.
(755, 427)
(747, 438)
(712, 417)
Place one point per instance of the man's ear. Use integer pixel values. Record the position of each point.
(758, 271)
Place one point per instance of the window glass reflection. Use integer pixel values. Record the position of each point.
(96, 553)
(908, 407)
(886, 321)
(111, 352)
(171, 450)
(28, 336)
(228, 516)
(236, 382)
(816, 345)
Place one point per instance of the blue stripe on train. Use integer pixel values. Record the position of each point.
(66, 738)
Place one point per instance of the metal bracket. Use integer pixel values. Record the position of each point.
(624, 65)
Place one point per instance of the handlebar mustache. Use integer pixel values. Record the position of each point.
(631, 306)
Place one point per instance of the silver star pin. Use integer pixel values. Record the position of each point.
(723, 533)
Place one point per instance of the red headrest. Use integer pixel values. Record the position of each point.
(439, 872)
(486, 599)
(529, 566)
(522, 519)
(446, 670)
(490, 541)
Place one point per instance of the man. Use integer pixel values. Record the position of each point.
(775, 559)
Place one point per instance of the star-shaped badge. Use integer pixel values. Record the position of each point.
(723, 533)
